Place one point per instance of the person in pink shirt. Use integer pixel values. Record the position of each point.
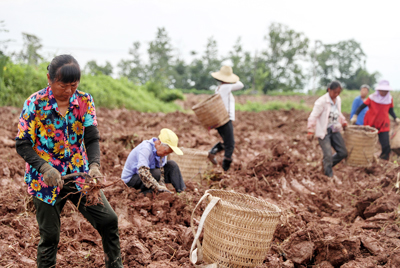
(325, 122)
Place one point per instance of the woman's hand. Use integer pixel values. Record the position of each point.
(397, 120)
(310, 136)
(51, 176)
(94, 172)
(353, 120)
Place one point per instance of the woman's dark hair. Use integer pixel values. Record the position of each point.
(334, 85)
(64, 68)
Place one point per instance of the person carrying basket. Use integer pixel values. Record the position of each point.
(227, 82)
(380, 105)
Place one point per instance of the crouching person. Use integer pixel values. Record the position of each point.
(147, 167)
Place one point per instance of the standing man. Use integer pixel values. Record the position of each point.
(147, 168)
(227, 82)
(358, 101)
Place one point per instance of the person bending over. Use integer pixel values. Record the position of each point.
(147, 168)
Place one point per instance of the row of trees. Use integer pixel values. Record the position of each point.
(287, 62)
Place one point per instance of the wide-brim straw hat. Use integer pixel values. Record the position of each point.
(384, 85)
(225, 74)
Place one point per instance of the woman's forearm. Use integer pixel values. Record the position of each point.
(362, 106)
(25, 150)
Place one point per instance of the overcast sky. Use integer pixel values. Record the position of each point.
(105, 30)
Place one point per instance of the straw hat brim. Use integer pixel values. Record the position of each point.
(233, 78)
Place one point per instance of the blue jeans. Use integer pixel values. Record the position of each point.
(336, 141)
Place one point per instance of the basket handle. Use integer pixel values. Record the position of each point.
(197, 254)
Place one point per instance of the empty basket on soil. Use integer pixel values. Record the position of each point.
(193, 162)
(211, 112)
(238, 229)
(360, 145)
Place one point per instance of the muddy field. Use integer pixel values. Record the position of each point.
(351, 221)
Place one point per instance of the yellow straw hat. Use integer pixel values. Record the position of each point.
(167, 136)
(226, 75)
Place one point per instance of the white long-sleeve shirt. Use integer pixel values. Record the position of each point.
(225, 90)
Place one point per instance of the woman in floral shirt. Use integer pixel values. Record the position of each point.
(57, 135)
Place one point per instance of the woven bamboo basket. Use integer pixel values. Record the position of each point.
(193, 162)
(211, 112)
(395, 140)
(238, 230)
(360, 144)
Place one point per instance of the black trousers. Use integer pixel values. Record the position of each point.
(336, 141)
(226, 133)
(385, 144)
(172, 174)
(102, 218)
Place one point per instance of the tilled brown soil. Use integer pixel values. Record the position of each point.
(351, 221)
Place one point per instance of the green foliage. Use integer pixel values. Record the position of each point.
(280, 62)
(133, 68)
(197, 91)
(29, 53)
(3, 62)
(242, 63)
(93, 68)
(277, 67)
(343, 61)
(117, 93)
(170, 95)
(285, 93)
(157, 88)
(271, 105)
(3, 43)
(164, 94)
(160, 57)
(360, 78)
(21, 81)
(210, 92)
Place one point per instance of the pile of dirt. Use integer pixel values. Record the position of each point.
(351, 220)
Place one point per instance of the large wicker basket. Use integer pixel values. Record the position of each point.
(193, 162)
(238, 229)
(360, 144)
(211, 112)
(395, 140)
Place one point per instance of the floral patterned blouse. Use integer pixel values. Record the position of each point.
(55, 138)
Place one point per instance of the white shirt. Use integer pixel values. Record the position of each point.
(225, 90)
(333, 114)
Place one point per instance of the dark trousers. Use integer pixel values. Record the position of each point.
(172, 174)
(336, 141)
(102, 218)
(226, 133)
(385, 144)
